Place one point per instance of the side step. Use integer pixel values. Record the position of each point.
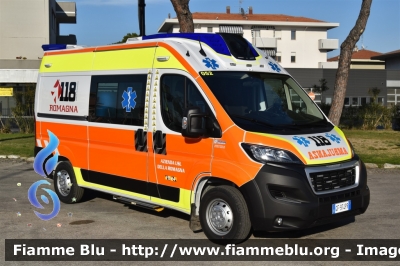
(139, 203)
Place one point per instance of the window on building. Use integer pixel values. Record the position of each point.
(293, 57)
(381, 100)
(328, 100)
(317, 96)
(354, 101)
(177, 94)
(363, 101)
(278, 57)
(293, 35)
(346, 101)
(393, 97)
(111, 99)
(209, 29)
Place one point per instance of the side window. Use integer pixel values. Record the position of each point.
(117, 99)
(177, 94)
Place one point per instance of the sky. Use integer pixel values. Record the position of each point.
(102, 22)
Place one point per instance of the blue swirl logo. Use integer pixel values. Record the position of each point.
(32, 198)
(44, 169)
(44, 153)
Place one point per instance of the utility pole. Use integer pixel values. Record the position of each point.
(141, 15)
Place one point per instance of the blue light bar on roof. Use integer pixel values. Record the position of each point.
(51, 47)
(215, 41)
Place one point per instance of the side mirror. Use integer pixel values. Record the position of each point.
(194, 123)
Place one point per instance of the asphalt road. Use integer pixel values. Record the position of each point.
(100, 217)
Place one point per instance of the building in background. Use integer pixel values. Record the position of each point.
(362, 59)
(300, 45)
(25, 25)
(358, 84)
(368, 69)
(392, 65)
(295, 42)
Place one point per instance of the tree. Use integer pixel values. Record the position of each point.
(346, 51)
(184, 15)
(321, 88)
(374, 92)
(126, 37)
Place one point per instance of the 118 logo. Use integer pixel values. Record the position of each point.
(320, 140)
(66, 91)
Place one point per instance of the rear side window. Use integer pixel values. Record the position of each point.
(117, 99)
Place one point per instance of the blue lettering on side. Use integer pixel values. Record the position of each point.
(210, 63)
(333, 137)
(301, 141)
(274, 67)
(129, 97)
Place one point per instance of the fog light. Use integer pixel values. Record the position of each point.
(279, 221)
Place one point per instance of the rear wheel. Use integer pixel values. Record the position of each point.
(65, 184)
(224, 216)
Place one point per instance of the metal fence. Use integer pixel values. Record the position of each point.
(7, 112)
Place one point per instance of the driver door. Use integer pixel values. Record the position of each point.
(176, 160)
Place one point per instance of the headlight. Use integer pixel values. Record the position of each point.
(265, 154)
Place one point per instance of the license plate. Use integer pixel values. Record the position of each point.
(341, 207)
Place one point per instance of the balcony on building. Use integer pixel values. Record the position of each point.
(334, 64)
(328, 44)
(263, 42)
(67, 39)
(66, 12)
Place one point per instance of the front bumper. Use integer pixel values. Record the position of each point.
(285, 191)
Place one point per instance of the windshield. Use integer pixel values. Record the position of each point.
(265, 101)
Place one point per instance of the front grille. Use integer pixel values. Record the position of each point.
(340, 197)
(330, 180)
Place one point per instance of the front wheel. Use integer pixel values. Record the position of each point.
(65, 183)
(224, 216)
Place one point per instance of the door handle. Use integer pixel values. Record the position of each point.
(141, 140)
(159, 143)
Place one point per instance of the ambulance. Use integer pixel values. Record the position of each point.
(202, 123)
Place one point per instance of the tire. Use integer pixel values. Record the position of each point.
(224, 216)
(65, 184)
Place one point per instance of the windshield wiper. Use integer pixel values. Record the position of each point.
(321, 123)
(253, 120)
(265, 123)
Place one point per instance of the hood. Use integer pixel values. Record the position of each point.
(311, 149)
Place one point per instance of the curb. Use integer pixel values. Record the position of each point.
(385, 166)
(14, 157)
(371, 165)
(390, 166)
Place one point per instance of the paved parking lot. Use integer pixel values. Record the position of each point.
(100, 217)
